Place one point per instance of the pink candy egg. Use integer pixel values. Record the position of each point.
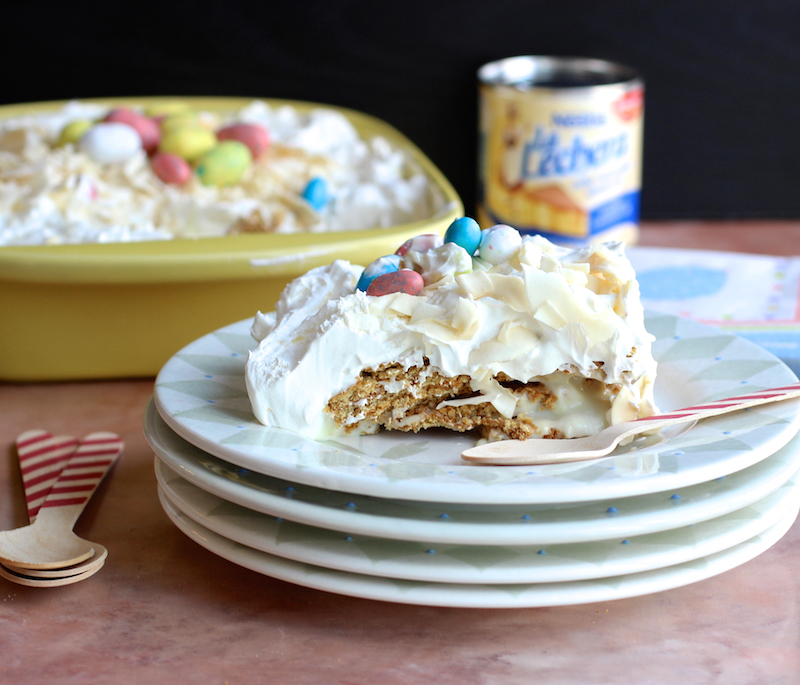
(421, 243)
(171, 168)
(254, 136)
(402, 281)
(147, 128)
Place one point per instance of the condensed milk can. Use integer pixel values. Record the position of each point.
(560, 148)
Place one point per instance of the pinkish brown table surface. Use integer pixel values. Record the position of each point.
(165, 610)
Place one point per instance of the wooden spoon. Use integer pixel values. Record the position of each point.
(23, 578)
(517, 452)
(42, 458)
(93, 563)
(49, 542)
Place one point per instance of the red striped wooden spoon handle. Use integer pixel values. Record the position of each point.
(85, 469)
(42, 457)
(728, 404)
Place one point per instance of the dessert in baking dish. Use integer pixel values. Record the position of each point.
(91, 173)
(486, 331)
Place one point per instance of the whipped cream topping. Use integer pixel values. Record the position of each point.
(53, 195)
(545, 310)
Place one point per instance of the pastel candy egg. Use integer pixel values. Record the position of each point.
(178, 120)
(316, 193)
(171, 168)
(381, 266)
(420, 243)
(465, 233)
(189, 142)
(254, 136)
(402, 281)
(499, 243)
(225, 164)
(110, 143)
(147, 129)
(73, 131)
(150, 134)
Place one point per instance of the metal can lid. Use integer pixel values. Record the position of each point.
(528, 72)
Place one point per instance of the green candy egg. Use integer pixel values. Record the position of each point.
(74, 131)
(189, 142)
(225, 164)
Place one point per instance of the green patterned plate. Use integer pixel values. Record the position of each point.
(474, 524)
(493, 596)
(495, 564)
(201, 395)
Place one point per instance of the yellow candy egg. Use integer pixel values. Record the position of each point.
(73, 131)
(189, 142)
(179, 120)
(225, 164)
(166, 109)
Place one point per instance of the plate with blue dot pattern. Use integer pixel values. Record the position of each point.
(473, 595)
(459, 524)
(481, 564)
(200, 393)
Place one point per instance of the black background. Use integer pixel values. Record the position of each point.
(722, 122)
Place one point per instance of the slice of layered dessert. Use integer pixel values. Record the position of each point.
(486, 331)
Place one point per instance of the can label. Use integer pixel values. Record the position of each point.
(564, 162)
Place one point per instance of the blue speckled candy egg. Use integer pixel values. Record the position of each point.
(499, 243)
(381, 266)
(465, 233)
(316, 193)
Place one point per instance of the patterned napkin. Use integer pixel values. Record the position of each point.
(753, 296)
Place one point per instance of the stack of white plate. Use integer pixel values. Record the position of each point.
(399, 517)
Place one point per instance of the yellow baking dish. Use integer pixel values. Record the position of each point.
(121, 310)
